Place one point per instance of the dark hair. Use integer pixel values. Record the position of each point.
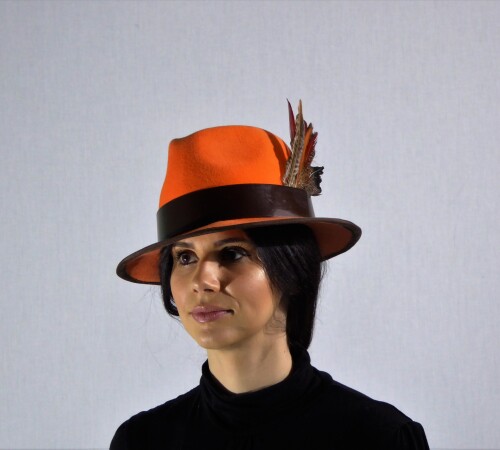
(292, 261)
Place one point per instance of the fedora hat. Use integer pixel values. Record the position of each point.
(239, 176)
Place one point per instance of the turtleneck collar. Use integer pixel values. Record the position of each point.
(250, 411)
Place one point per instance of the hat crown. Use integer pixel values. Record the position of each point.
(222, 156)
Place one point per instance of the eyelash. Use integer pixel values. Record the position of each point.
(223, 255)
(240, 251)
(178, 255)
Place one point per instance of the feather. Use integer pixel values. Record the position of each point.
(291, 119)
(298, 172)
(296, 145)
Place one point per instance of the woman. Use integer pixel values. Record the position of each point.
(239, 259)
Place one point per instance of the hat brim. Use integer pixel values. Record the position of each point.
(334, 236)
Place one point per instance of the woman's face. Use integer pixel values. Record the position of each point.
(222, 292)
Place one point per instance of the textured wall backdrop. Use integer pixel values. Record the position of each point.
(404, 96)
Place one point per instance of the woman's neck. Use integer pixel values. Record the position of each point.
(250, 369)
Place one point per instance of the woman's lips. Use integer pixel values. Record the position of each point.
(203, 314)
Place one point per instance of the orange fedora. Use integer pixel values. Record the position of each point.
(238, 176)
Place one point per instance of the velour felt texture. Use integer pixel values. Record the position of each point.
(222, 156)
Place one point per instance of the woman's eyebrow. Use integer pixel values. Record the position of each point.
(183, 244)
(232, 241)
(220, 243)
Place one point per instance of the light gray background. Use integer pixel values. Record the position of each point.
(404, 96)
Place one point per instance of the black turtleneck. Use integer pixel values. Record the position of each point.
(307, 410)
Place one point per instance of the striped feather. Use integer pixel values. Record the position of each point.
(298, 172)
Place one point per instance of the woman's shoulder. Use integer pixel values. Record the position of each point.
(360, 413)
(171, 408)
(351, 401)
(142, 426)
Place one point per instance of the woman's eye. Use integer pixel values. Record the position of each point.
(231, 254)
(184, 258)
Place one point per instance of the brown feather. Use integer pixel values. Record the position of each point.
(291, 118)
(299, 173)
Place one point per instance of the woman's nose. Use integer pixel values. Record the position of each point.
(207, 277)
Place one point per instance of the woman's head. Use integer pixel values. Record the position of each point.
(233, 262)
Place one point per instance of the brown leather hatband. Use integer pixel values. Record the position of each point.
(240, 201)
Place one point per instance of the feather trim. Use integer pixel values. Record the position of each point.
(299, 172)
